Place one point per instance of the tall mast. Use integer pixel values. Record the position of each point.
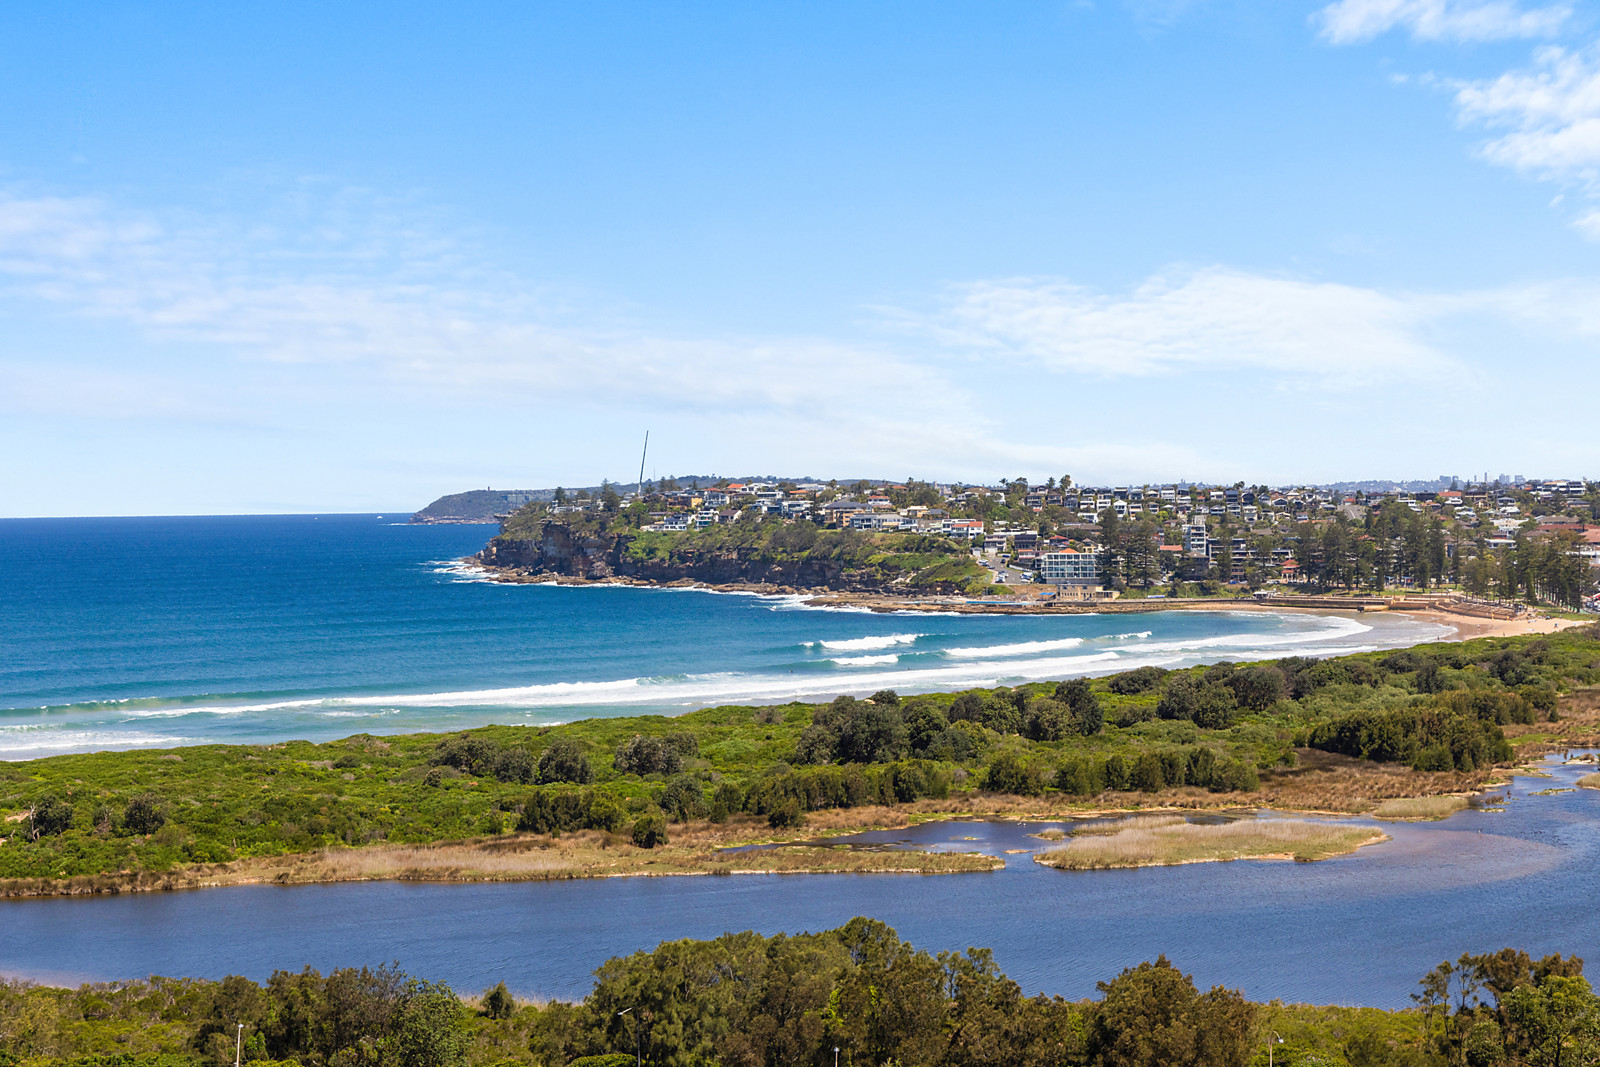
(639, 489)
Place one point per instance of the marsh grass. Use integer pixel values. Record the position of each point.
(1133, 822)
(1419, 807)
(1589, 781)
(1173, 841)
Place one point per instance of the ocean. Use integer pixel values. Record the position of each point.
(156, 632)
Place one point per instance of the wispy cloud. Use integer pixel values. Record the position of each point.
(1355, 21)
(413, 315)
(1551, 112)
(1339, 335)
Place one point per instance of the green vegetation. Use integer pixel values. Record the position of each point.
(743, 999)
(1130, 739)
(854, 557)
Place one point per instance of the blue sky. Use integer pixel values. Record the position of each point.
(284, 257)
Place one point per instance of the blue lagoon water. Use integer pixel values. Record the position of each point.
(117, 633)
(1358, 929)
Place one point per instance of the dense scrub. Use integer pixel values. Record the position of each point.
(1216, 729)
(747, 1000)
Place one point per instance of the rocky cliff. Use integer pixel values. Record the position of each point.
(559, 550)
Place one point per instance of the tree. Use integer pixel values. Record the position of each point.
(50, 816)
(1008, 774)
(1152, 1014)
(565, 761)
(1084, 705)
(1047, 720)
(498, 1002)
(1556, 1017)
(429, 1030)
(649, 831)
(144, 814)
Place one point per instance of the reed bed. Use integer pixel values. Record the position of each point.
(1589, 781)
(1175, 842)
(1419, 807)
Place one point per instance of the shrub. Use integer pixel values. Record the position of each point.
(1116, 773)
(565, 761)
(1149, 775)
(51, 816)
(786, 815)
(1257, 688)
(1407, 735)
(728, 798)
(1080, 777)
(1208, 704)
(516, 765)
(144, 814)
(498, 1003)
(683, 799)
(854, 731)
(650, 831)
(467, 752)
(1138, 680)
(656, 755)
(816, 745)
(887, 697)
(924, 723)
(1008, 774)
(1047, 720)
(1083, 704)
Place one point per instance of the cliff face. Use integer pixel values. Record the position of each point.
(559, 550)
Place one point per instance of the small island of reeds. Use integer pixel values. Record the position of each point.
(1164, 840)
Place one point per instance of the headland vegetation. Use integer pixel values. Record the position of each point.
(658, 795)
(858, 992)
(1484, 551)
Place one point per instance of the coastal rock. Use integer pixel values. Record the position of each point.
(561, 551)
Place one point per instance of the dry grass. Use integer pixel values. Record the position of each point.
(1135, 822)
(1589, 781)
(1161, 844)
(1419, 807)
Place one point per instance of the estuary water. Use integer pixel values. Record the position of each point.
(1358, 929)
(120, 633)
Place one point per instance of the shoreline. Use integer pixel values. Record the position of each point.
(1466, 626)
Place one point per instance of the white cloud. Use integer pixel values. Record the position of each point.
(407, 313)
(1335, 334)
(1551, 110)
(1354, 21)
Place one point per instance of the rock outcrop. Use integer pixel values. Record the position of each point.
(561, 551)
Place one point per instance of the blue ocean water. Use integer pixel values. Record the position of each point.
(128, 632)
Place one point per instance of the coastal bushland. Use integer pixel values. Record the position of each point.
(1435, 712)
(748, 1000)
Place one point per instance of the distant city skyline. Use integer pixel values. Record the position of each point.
(351, 258)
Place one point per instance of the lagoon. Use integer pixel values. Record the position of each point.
(1358, 929)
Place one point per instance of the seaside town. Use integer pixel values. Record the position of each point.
(1504, 540)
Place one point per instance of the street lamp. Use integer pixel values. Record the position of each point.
(238, 1044)
(638, 1054)
(836, 1056)
(1275, 1038)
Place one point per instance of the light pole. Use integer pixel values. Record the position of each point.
(836, 1056)
(1275, 1038)
(638, 1055)
(238, 1044)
